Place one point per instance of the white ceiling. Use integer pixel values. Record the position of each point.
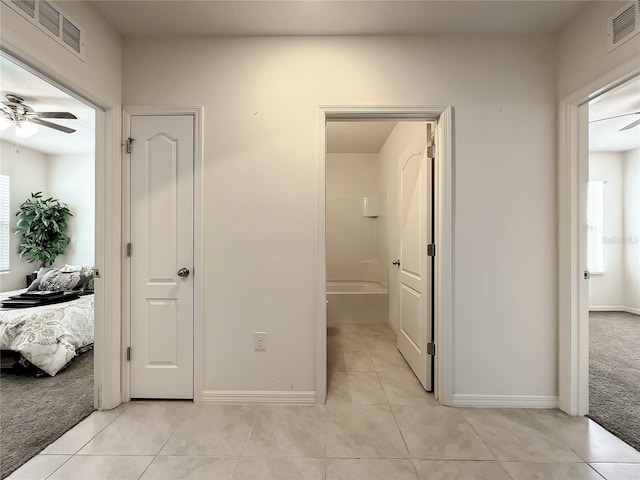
(357, 137)
(44, 97)
(311, 17)
(605, 135)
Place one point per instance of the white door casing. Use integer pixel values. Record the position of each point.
(162, 302)
(414, 322)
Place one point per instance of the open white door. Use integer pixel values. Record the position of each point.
(162, 162)
(415, 276)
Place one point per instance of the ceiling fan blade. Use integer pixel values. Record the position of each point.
(631, 125)
(68, 115)
(55, 126)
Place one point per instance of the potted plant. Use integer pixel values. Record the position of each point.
(42, 228)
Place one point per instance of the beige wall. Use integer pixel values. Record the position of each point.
(27, 172)
(71, 178)
(261, 98)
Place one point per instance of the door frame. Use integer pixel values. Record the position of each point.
(106, 377)
(197, 112)
(573, 308)
(444, 235)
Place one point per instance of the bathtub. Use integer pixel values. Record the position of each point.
(357, 302)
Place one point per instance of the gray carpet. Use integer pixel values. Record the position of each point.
(614, 373)
(36, 411)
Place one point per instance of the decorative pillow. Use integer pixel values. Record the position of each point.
(69, 281)
(35, 285)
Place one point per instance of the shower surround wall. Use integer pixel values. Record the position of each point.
(354, 243)
(356, 239)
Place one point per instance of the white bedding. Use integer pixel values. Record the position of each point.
(47, 336)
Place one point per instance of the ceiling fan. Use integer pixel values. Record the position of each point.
(635, 123)
(15, 112)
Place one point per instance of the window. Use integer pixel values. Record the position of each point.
(4, 223)
(595, 227)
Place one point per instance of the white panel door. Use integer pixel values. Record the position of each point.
(414, 328)
(162, 256)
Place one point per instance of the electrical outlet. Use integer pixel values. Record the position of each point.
(260, 341)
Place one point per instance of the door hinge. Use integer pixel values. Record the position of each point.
(128, 249)
(128, 144)
(431, 151)
(587, 274)
(431, 250)
(128, 354)
(431, 348)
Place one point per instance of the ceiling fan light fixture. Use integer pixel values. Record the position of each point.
(26, 129)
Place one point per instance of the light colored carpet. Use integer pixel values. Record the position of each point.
(614, 373)
(36, 411)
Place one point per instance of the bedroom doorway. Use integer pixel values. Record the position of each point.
(573, 275)
(57, 157)
(161, 255)
(613, 260)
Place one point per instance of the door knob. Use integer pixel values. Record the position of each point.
(396, 263)
(183, 272)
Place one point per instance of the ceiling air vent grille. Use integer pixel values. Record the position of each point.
(26, 6)
(71, 35)
(49, 18)
(52, 20)
(623, 25)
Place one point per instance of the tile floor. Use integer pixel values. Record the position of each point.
(378, 424)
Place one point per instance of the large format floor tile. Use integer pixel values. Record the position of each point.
(82, 433)
(439, 433)
(363, 431)
(379, 423)
(403, 388)
(585, 437)
(190, 468)
(251, 468)
(288, 431)
(618, 471)
(98, 467)
(512, 435)
(213, 430)
(361, 387)
(142, 429)
(460, 470)
(370, 469)
(551, 471)
(39, 467)
(342, 360)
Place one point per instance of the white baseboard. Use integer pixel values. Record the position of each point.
(505, 401)
(635, 311)
(245, 397)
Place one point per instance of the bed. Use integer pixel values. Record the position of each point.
(49, 336)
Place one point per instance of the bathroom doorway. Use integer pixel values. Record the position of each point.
(441, 117)
(379, 277)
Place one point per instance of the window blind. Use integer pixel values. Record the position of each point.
(5, 229)
(595, 227)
